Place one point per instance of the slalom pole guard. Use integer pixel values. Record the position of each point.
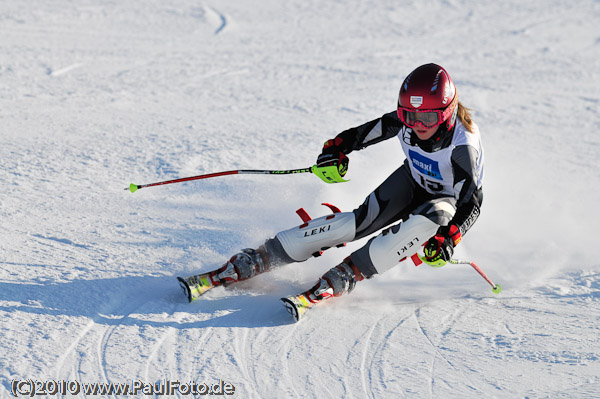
(329, 174)
(423, 259)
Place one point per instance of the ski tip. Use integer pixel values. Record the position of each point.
(186, 288)
(497, 289)
(133, 188)
(291, 308)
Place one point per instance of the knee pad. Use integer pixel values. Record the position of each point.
(316, 235)
(388, 248)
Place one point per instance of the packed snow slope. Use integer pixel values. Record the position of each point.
(97, 94)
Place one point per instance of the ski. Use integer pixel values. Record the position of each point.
(197, 285)
(240, 267)
(298, 305)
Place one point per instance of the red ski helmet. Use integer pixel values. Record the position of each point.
(428, 98)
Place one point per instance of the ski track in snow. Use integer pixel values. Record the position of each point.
(153, 356)
(62, 361)
(285, 349)
(437, 354)
(365, 376)
(93, 97)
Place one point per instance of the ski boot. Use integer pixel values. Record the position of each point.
(337, 281)
(241, 266)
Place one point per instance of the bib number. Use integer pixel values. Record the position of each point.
(431, 185)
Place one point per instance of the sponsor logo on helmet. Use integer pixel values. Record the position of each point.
(436, 81)
(405, 85)
(416, 101)
(448, 93)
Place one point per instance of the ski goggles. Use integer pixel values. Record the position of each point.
(427, 118)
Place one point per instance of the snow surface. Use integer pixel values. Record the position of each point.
(97, 94)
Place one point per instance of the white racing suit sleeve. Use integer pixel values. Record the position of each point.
(316, 235)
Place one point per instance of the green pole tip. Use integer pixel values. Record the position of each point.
(497, 289)
(133, 188)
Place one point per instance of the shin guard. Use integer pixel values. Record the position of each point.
(391, 246)
(317, 235)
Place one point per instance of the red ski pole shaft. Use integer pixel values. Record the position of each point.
(134, 187)
(496, 288)
(482, 274)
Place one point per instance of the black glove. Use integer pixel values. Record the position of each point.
(440, 248)
(332, 156)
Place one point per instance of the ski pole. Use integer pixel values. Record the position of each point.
(134, 187)
(496, 288)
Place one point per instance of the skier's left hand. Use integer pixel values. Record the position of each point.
(440, 248)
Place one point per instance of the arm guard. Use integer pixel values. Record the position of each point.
(370, 133)
(467, 191)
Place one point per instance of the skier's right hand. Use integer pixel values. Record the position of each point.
(332, 163)
(440, 248)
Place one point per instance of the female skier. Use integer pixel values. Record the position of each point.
(435, 195)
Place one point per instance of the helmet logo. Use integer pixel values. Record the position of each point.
(436, 82)
(416, 101)
(448, 93)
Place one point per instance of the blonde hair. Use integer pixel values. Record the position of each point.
(464, 114)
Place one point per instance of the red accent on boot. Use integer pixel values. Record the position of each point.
(310, 294)
(357, 274)
(213, 278)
